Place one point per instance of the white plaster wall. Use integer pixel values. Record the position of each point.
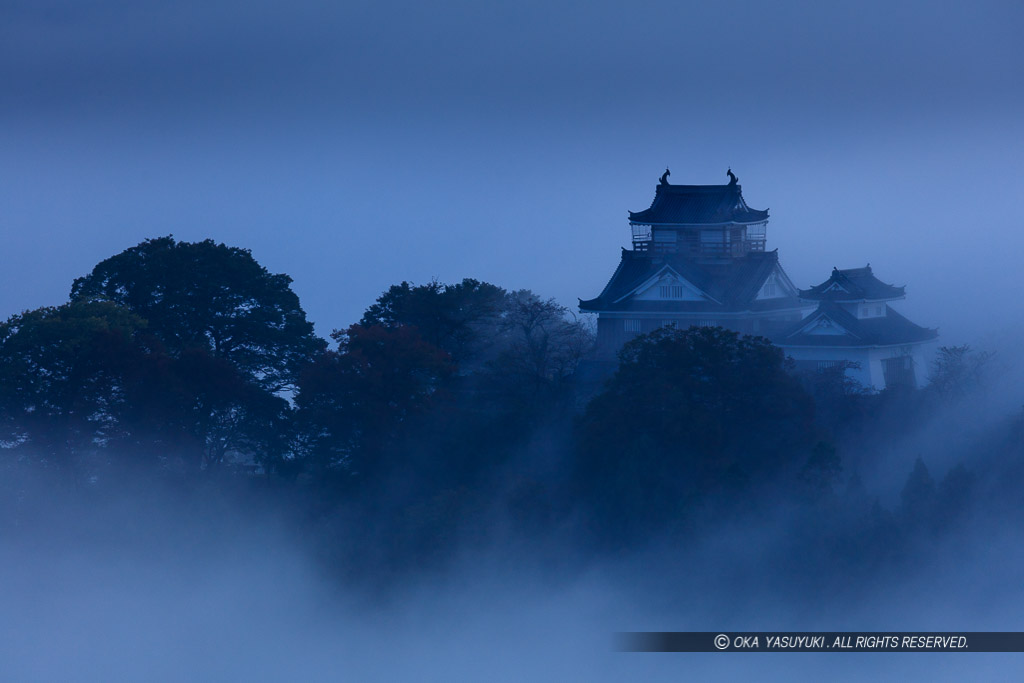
(873, 310)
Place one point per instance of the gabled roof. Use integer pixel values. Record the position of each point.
(698, 205)
(659, 275)
(731, 286)
(852, 284)
(849, 330)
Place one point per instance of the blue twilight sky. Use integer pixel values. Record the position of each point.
(356, 144)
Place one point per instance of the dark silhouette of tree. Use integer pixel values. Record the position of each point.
(530, 378)
(210, 297)
(821, 472)
(918, 495)
(687, 413)
(544, 343)
(958, 370)
(841, 402)
(460, 319)
(223, 412)
(355, 402)
(955, 495)
(526, 340)
(62, 377)
(87, 377)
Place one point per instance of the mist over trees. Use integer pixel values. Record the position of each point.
(68, 377)
(688, 413)
(464, 413)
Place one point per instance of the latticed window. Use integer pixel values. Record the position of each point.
(632, 325)
(899, 372)
(670, 291)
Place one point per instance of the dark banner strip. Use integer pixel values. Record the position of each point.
(820, 641)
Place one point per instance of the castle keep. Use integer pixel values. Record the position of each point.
(699, 257)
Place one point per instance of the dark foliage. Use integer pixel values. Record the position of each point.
(460, 319)
(842, 404)
(821, 472)
(213, 298)
(453, 413)
(65, 377)
(86, 379)
(356, 403)
(688, 412)
(957, 371)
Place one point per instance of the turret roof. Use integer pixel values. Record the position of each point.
(853, 284)
(849, 330)
(698, 205)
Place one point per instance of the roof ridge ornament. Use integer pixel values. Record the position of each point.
(732, 177)
(664, 177)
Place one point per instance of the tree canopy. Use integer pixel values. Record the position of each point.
(688, 412)
(63, 374)
(87, 377)
(452, 406)
(458, 318)
(208, 296)
(958, 370)
(356, 401)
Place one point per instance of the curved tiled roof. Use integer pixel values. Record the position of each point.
(852, 284)
(698, 205)
(732, 285)
(887, 330)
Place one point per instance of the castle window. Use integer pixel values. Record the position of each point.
(898, 372)
(670, 291)
(632, 325)
(770, 288)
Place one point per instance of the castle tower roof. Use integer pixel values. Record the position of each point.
(698, 205)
